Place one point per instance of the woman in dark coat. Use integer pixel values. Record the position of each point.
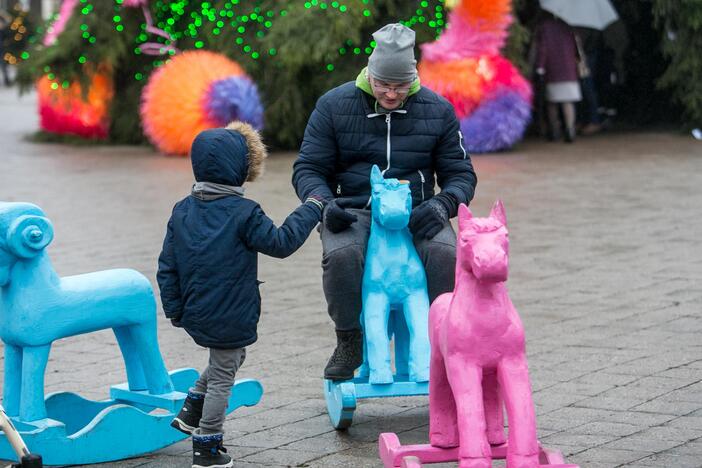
(557, 62)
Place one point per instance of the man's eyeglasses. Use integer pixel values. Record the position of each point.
(396, 89)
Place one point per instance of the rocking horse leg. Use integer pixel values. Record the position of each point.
(13, 384)
(363, 370)
(376, 309)
(494, 417)
(34, 359)
(402, 342)
(415, 309)
(466, 383)
(132, 361)
(443, 428)
(144, 337)
(523, 450)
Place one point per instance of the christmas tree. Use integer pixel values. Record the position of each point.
(293, 50)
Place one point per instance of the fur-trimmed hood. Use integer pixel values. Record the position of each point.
(228, 156)
(257, 150)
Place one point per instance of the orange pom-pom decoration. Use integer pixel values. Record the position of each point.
(176, 102)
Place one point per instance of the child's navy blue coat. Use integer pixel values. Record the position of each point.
(207, 271)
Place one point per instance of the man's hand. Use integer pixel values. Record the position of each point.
(428, 219)
(336, 218)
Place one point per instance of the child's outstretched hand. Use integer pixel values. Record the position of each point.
(318, 202)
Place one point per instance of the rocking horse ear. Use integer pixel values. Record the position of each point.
(376, 175)
(498, 212)
(464, 216)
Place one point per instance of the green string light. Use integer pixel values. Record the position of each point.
(240, 21)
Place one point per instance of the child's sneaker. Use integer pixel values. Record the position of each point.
(189, 416)
(207, 452)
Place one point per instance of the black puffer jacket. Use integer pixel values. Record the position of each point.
(345, 137)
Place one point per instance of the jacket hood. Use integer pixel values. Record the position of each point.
(228, 156)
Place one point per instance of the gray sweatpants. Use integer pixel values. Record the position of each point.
(215, 383)
(343, 256)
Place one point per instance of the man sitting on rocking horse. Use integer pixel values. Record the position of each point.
(386, 118)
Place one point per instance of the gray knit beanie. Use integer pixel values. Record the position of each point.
(392, 59)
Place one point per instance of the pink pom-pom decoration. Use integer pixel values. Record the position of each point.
(59, 25)
(491, 98)
(134, 3)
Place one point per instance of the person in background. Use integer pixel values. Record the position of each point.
(557, 64)
(589, 43)
(4, 32)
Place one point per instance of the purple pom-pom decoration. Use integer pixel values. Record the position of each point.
(234, 98)
(498, 123)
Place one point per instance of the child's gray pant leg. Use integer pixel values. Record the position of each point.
(220, 373)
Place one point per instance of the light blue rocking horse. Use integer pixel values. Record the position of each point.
(395, 303)
(38, 307)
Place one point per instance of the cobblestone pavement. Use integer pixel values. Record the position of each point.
(605, 272)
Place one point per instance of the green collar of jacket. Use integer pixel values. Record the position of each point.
(363, 83)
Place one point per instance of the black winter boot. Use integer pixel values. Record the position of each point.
(189, 417)
(347, 356)
(207, 452)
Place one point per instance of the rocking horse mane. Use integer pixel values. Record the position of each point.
(485, 258)
(392, 184)
(484, 225)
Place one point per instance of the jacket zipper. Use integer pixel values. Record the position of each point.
(387, 145)
(421, 176)
(460, 143)
(338, 189)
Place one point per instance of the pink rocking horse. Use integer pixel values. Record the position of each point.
(478, 363)
(478, 353)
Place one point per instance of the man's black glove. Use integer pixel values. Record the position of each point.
(429, 218)
(336, 218)
(176, 322)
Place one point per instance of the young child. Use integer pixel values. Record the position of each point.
(207, 272)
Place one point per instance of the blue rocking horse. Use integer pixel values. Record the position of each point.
(395, 303)
(38, 307)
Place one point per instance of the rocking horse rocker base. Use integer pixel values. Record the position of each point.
(131, 423)
(341, 396)
(394, 454)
